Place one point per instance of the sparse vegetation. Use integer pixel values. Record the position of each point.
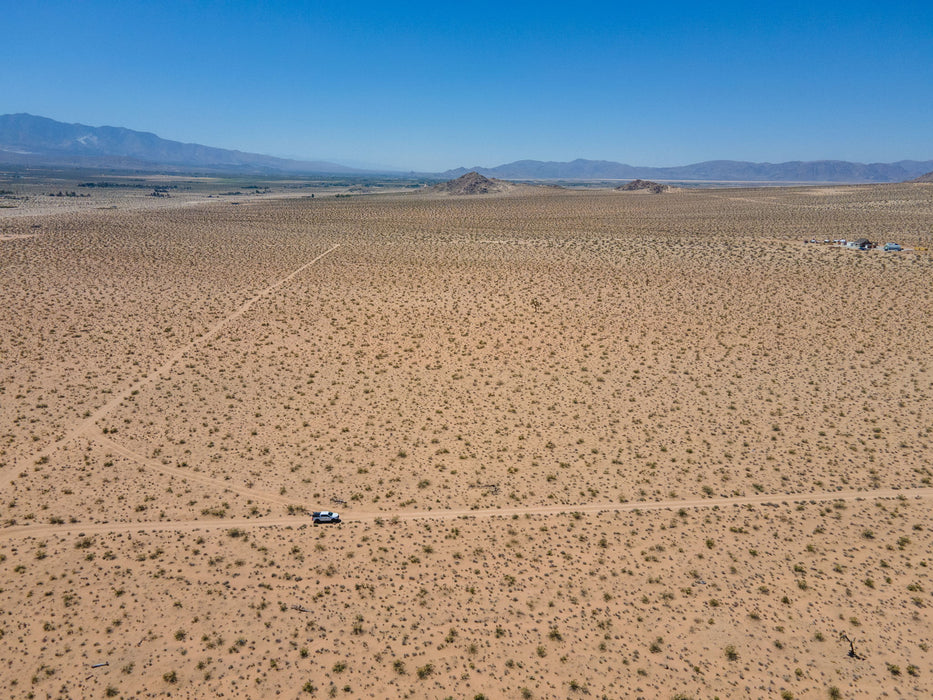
(683, 416)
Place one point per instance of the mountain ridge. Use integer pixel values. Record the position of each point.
(714, 170)
(26, 139)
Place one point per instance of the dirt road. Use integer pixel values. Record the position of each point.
(350, 517)
(119, 397)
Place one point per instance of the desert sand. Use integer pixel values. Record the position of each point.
(584, 444)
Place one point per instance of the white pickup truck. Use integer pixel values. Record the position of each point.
(324, 516)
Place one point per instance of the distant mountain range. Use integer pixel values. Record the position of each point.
(29, 140)
(37, 141)
(714, 170)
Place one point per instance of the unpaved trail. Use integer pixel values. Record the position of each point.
(189, 474)
(146, 379)
(350, 517)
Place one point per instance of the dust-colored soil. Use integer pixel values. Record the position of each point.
(587, 445)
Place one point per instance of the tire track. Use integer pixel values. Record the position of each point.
(147, 379)
(777, 500)
(188, 474)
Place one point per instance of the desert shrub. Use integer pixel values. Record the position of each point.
(425, 671)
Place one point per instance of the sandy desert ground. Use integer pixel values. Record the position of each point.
(588, 444)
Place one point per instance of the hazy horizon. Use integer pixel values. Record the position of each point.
(430, 88)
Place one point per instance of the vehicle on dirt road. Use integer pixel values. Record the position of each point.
(324, 516)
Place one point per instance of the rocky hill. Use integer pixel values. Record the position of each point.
(473, 183)
(924, 178)
(644, 186)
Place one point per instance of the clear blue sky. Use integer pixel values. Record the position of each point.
(435, 85)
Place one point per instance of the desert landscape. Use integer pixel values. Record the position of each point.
(584, 443)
